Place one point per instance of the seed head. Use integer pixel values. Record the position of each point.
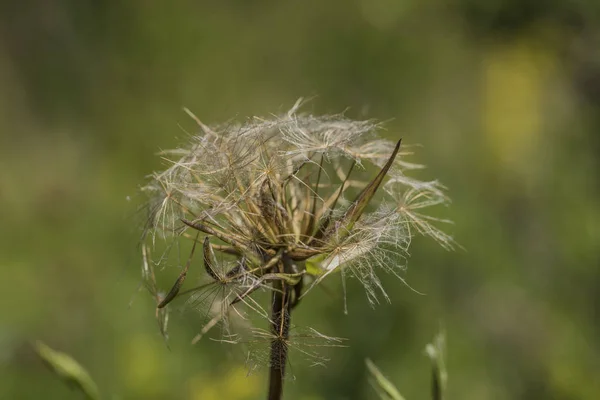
(291, 199)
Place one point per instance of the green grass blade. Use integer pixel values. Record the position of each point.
(385, 389)
(436, 353)
(68, 370)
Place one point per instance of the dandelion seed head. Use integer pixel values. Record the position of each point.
(287, 199)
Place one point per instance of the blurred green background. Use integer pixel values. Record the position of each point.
(504, 96)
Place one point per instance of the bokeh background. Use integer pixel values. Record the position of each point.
(503, 96)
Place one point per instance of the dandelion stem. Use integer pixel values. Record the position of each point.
(280, 327)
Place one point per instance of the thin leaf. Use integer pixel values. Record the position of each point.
(313, 212)
(330, 205)
(359, 205)
(68, 370)
(209, 257)
(162, 314)
(386, 390)
(229, 239)
(180, 279)
(362, 201)
(436, 353)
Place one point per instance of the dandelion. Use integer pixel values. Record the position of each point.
(285, 202)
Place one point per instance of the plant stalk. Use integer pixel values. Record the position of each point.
(280, 328)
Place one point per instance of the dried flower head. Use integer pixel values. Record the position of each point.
(289, 200)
